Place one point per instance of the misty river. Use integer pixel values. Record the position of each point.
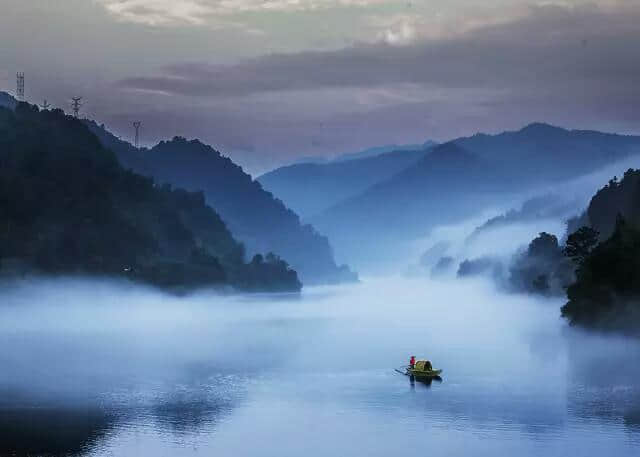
(109, 369)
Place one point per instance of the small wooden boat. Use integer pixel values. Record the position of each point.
(422, 369)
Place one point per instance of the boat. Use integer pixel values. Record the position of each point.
(422, 369)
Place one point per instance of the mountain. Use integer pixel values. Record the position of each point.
(617, 198)
(379, 150)
(7, 101)
(445, 185)
(262, 222)
(458, 180)
(606, 293)
(598, 268)
(548, 206)
(542, 268)
(69, 207)
(544, 153)
(311, 188)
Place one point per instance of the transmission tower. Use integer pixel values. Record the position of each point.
(136, 125)
(76, 104)
(20, 85)
(45, 105)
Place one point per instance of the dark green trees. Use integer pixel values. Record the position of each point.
(67, 206)
(606, 292)
(542, 268)
(580, 243)
(255, 217)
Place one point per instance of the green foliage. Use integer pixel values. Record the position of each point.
(255, 216)
(542, 268)
(266, 271)
(616, 198)
(607, 288)
(580, 243)
(67, 206)
(606, 292)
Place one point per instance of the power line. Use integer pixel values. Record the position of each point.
(136, 125)
(20, 85)
(76, 104)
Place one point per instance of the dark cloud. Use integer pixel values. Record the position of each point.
(579, 48)
(576, 67)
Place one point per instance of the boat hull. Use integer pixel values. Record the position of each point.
(424, 373)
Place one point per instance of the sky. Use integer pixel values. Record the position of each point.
(268, 82)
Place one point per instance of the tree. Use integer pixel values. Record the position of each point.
(580, 244)
(607, 288)
(545, 245)
(68, 206)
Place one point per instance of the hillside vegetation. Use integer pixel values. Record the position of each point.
(68, 206)
(260, 221)
(606, 292)
(460, 179)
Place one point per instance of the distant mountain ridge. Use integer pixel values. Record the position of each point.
(459, 179)
(257, 219)
(262, 222)
(311, 188)
(379, 150)
(69, 207)
(7, 100)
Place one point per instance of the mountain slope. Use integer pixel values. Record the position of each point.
(617, 198)
(253, 215)
(459, 179)
(408, 203)
(68, 206)
(312, 188)
(379, 150)
(545, 153)
(606, 292)
(7, 101)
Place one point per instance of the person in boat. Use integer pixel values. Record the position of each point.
(412, 362)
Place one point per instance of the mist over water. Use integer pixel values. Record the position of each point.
(101, 368)
(105, 368)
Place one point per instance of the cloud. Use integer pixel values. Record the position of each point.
(551, 49)
(576, 67)
(200, 12)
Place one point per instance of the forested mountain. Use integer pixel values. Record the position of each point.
(541, 268)
(461, 178)
(549, 206)
(616, 198)
(447, 184)
(7, 100)
(544, 153)
(379, 150)
(599, 265)
(262, 222)
(68, 206)
(310, 188)
(606, 292)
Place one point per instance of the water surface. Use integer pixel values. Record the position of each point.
(103, 369)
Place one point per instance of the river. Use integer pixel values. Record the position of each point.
(105, 369)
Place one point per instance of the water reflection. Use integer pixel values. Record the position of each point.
(603, 378)
(424, 381)
(304, 376)
(190, 409)
(53, 431)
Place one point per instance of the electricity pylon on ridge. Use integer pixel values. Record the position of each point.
(76, 104)
(45, 105)
(136, 125)
(20, 85)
